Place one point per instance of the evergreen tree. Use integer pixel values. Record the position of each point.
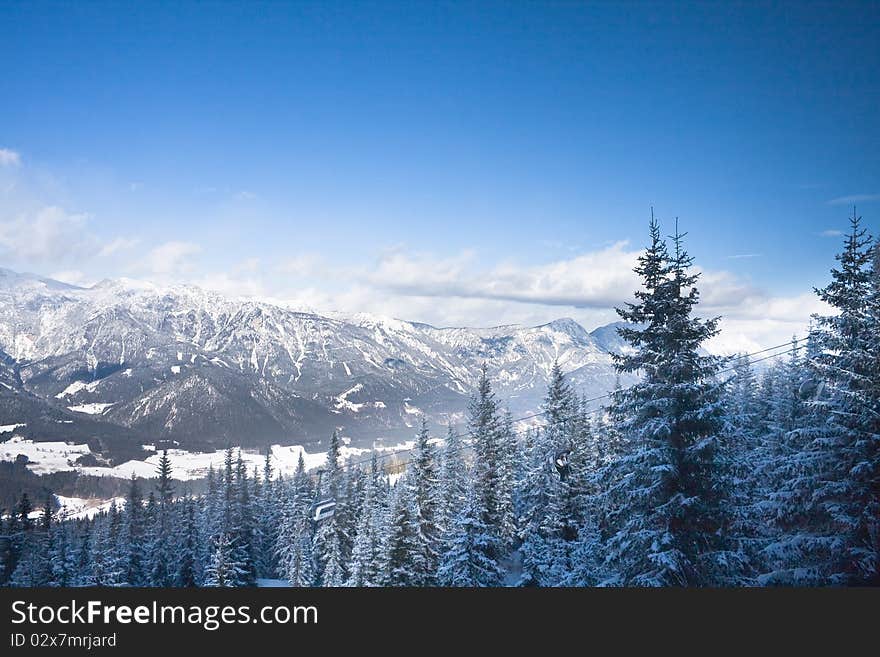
(133, 531)
(365, 560)
(470, 559)
(487, 472)
(267, 522)
(551, 511)
(224, 569)
(668, 521)
(187, 574)
(403, 555)
(293, 548)
(160, 547)
(453, 481)
(847, 458)
(427, 503)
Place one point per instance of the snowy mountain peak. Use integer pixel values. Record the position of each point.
(188, 364)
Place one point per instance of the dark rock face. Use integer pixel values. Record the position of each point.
(125, 363)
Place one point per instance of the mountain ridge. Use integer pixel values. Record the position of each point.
(190, 365)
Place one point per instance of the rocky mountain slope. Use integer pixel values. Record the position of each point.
(148, 362)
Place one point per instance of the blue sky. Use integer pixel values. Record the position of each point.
(448, 162)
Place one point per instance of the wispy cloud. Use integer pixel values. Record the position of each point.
(73, 277)
(591, 280)
(46, 235)
(831, 233)
(300, 265)
(742, 256)
(854, 198)
(170, 259)
(9, 157)
(117, 245)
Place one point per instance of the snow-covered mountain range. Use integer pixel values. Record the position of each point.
(125, 363)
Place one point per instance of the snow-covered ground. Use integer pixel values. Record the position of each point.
(6, 428)
(91, 409)
(273, 583)
(194, 465)
(47, 457)
(43, 458)
(78, 508)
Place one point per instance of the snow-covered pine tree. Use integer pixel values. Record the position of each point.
(330, 539)
(403, 557)
(294, 546)
(668, 517)
(364, 568)
(453, 481)
(268, 521)
(485, 429)
(33, 567)
(297, 562)
(133, 541)
(210, 515)
(550, 510)
(510, 466)
(789, 530)
(469, 560)
(160, 542)
(847, 460)
(743, 438)
(427, 503)
(224, 569)
(243, 530)
(187, 558)
(61, 561)
(106, 567)
(83, 554)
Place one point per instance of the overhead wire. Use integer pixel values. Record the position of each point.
(470, 433)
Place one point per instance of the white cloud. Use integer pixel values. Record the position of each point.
(73, 277)
(47, 235)
(301, 265)
(758, 322)
(249, 265)
(9, 158)
(854, 198)
(831, 233)
(232, 285)
(116, 245)
(170, 259)
(592, 280)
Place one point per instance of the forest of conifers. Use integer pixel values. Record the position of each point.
(707, 472)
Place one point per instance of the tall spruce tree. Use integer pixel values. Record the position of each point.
(669, 520)
(427, 503)
(364, 569)
(847, 459)
(487, 472)
(469, 560)
(403, 555)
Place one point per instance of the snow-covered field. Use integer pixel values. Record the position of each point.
(79, 508)
(43, 458)
(47, 457)
(6, 428)
(90, 409)
(194, 465)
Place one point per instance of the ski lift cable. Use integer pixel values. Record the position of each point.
(589, 413)
(560, 420)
